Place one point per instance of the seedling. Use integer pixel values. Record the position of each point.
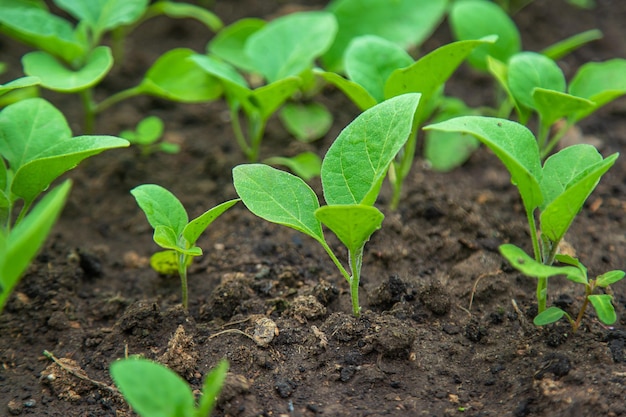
(352, 174)
(36, 146)
(153, 390)
(379, 70)
(574, 271)
(558, 189)
(146, 136)
(173, 231)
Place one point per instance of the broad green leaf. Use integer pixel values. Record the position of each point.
(288, 201)
(167, 238)
(353, 224)
(268, 98)
(609, 278)
(25, 239)
(604, 309)
(306, 121)
(428, 74)
(19, 83)
(185, 10)
(530, 267)
(548, 316)
(566, 46)
(475, 19)
(211, 388)
(530, 70)
(229, 43)
(57, 76)
(554, 105)
(406, 22)
(104, 15)
(499, 70)
(570, 260)
(161, 207)
(36, 141)
(355, 92)
(600, 82)
(165, 262)
(289, 45)
(197, 226)
(370, 60)
(512, 143)
(557, 216)
(357, 162)
(176, 77)
(27, 22)
(152, 389)
(235, 86)
(306, 165)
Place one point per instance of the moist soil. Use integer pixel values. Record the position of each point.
(446, 327)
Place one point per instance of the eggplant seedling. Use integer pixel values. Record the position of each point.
(352, 173)
(153, 390)
(146, 137)
(173, 231)
(558, 189)
(576, 272)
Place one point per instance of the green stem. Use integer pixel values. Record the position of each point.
(555, 139)
(338, 264)
(257, 129)
(356, 261)
(182, 271)
(117, 97)
(89, 107)
(542, 291)
(23, 212)
(238, 131)
(542, 137)
(404, 167)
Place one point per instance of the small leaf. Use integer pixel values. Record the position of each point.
(229, 43)
(306, 165)
(211, 388)
(530, 267)
(103, 15)
(566, 46)
(161, 207)
(150, 129)
(604, 309)
(19, 83)
(357, 162)
(353, 224)
(499, 70)
(57, 76)
(609, 278)
(190, 11)
(166, 237)
(355, 92)
(152, 389)
(165, 262)
(289, 201)
(554, 105)
(306, 121)
(600, 82)
(548, 316)
(197, 226)
(271, 96)
(530, 70)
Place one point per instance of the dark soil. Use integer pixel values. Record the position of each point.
(418, 349)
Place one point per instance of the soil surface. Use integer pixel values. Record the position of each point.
(419, 348)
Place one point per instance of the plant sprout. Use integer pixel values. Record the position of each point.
(146, 136)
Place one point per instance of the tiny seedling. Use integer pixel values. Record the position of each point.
(558, 189)
(575, 271)
(352, 173)
(36, 147)
(153, 390)
(146, 137)
(173, 231)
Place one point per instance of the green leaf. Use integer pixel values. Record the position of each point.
(530, 70)
(475, 19)
(36, 141)
(306, 121)
(152, 389)
(568, 45)
(167, 238)
(353, 224)
(197, 226)
(57, 76)
(499, 70)
(512, 143)
(211, 388)
(355, 92)
(306, 165)
(549, 316)
(407, 23)
(25, 239)
(530, 267)
(161, 207)
(553, 105)
(174, 76)
(604, 309)
(104, 15)
(559, 213)
(609, 278)
(370, 60)
(289, 201)
(149, 130)
(19, 83)
(289, 45)
(357, 162)
(270, 97)
(165, 262)
(190, 11)
(229, 43)
(600, 82)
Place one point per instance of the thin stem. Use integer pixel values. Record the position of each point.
(117, 97)
(356, 262)
(581, 313)
(555, 139)
(404, 167)
(257, 129)
(239, 136)
(338, 264)
(22, 213)
(89, 107)
(182, 271)
(542, 137)
(542, 291)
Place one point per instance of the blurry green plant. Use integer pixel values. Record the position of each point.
(146, 137)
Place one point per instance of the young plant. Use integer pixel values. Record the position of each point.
(558, 189)
(36, 147)
(173, 231)
(146, 136)
(153, 390)
(574, 271)
(352, 173)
